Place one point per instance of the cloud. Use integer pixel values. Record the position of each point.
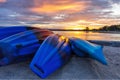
(2, 1)
(56, 6)
(61, 13)
(115, 1)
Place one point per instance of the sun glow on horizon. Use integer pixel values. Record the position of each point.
(60, 14)
(77, 28)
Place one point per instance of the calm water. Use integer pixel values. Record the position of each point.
(28, 12)
(91, 35)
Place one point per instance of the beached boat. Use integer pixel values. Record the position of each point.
(84, 48)
(53, 53)
(21, 46)
(8, 31)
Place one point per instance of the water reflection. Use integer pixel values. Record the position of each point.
(90, 35)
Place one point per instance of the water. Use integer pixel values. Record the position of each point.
(30, 12)
(91, 35)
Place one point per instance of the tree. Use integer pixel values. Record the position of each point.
(87, 29)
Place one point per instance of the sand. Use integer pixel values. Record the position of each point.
(77, 68)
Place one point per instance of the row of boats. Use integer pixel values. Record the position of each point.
(48, 51)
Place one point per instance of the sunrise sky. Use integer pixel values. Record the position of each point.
(63, 14)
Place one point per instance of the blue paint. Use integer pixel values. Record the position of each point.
(53, 53)
(83, 48)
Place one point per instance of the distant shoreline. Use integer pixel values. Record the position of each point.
(118, 32)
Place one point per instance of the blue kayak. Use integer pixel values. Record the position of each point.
(8, 31)
(21, 46)
(11, 30)
(53, 53)
(84, 48)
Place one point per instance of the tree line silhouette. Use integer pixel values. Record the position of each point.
(109, 28)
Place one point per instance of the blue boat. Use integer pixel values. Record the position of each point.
(53, 53)
(84, 48)
(11, 30)
(21, 46)
(8, 31)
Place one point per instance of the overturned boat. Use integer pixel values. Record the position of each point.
(11, 30)
(21, 46)
(84, 48)
(53, 53)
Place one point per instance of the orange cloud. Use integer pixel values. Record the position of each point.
(2, 1)
(58, 6)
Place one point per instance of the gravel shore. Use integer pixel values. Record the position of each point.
(77, 68)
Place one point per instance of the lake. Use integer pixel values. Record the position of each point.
(91, 35)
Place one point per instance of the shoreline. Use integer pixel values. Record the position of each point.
(106, 43)
(115, 32)
(77, 68)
